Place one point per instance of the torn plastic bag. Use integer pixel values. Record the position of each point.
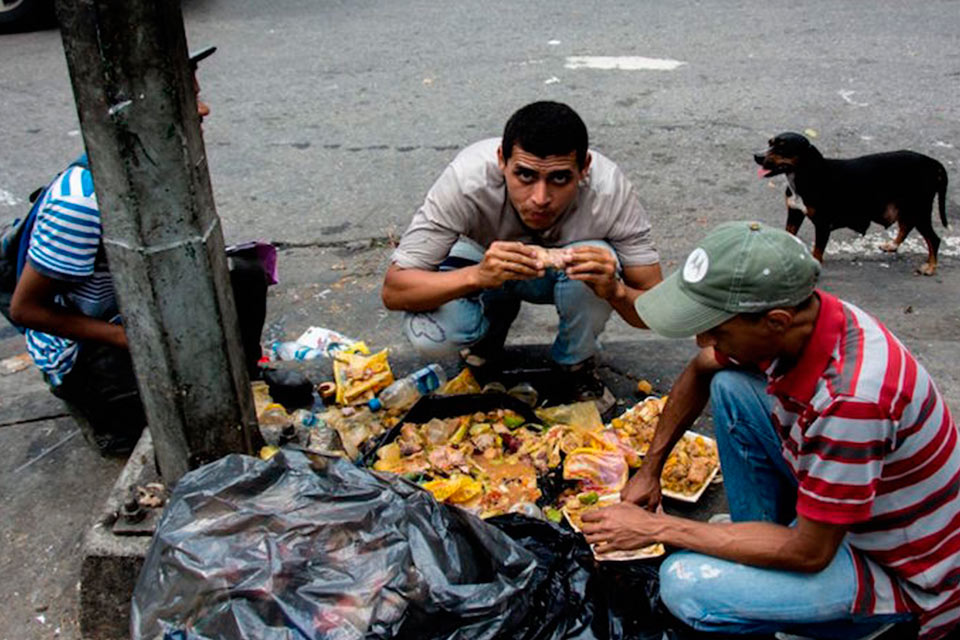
(315, 547)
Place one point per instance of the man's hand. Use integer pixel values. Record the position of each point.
(642, 491)
(620, 527)
(505, 261)
(596, 267)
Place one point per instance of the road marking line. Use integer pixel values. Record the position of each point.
(624, 63)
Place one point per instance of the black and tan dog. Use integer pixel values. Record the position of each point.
(898, 186)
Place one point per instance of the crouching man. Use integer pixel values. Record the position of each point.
(839, 456)
(533, 216)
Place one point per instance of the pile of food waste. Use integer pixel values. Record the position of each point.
(496, 462)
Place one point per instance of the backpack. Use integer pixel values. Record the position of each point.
(15, 240)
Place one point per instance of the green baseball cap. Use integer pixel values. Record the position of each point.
(740, 267)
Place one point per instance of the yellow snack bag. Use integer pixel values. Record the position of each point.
(463, 383)
(360, 376)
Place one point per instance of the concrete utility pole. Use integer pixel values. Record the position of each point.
(137, 106)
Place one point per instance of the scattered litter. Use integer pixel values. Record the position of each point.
(909, 309)
(151, 495)
(340, 266)
(42, 619)
(810, 133)
(15, 363)
(623, 63)
(644, 387)
(552, 80)
(428, 81)
(8, 198)
(73, 133)
(847, 94)
(294, 351)
(288, 387)
(120, 106)
(464, 382)
(553, 43)
(941, 143)
(885, 265)
(524, 392)
(360, 376)
(326, 340)
(268, 452)
(866, 138)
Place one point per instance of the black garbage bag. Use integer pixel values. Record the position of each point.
(306, 546)
(580, 598)
(315, 547)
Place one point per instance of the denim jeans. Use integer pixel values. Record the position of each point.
(716, 595)
(483, 320)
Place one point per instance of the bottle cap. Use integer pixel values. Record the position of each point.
(374, 404)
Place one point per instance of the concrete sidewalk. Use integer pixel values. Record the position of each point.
(52, 486)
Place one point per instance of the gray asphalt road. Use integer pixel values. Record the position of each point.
(331, 119)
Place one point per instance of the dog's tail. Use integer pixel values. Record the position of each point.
(942, 193)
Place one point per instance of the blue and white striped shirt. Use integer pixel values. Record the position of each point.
(65, 245)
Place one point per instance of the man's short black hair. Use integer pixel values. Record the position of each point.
(546, 129)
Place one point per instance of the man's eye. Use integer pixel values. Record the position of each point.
(560, 178)
(526, 176)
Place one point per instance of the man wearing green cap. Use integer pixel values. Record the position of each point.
(839, 456)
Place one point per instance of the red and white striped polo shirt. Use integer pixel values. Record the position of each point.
(874, 447)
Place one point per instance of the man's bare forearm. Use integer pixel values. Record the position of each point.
(623, 303)
(759, 544)
(74, 326)
(687, 399)
(33, 306)
(421, 290)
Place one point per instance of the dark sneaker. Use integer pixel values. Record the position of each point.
(589, 386)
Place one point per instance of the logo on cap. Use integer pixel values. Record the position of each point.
(696, 267)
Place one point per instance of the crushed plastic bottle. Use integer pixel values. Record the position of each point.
(307, 418)
(404, 392)
(294, 351)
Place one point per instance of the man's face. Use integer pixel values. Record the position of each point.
(746, 340)
(541, 189)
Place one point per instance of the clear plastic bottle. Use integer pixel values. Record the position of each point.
(294, 351)
(405, 391)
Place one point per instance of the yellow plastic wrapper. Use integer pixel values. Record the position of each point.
(274, 415)
(456, 489)
(360, 376)
(268, 451)
(261, 395)
(463, 383)
(580, 414)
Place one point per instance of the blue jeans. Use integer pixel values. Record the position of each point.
(716, 595)
(483, 320)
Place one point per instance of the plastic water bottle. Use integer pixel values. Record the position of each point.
(294, 351)
(405, 391)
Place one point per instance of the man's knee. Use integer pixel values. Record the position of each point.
(444, 331)
(681, 587)
(574, 298)
(428, 337)
(738, 387)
